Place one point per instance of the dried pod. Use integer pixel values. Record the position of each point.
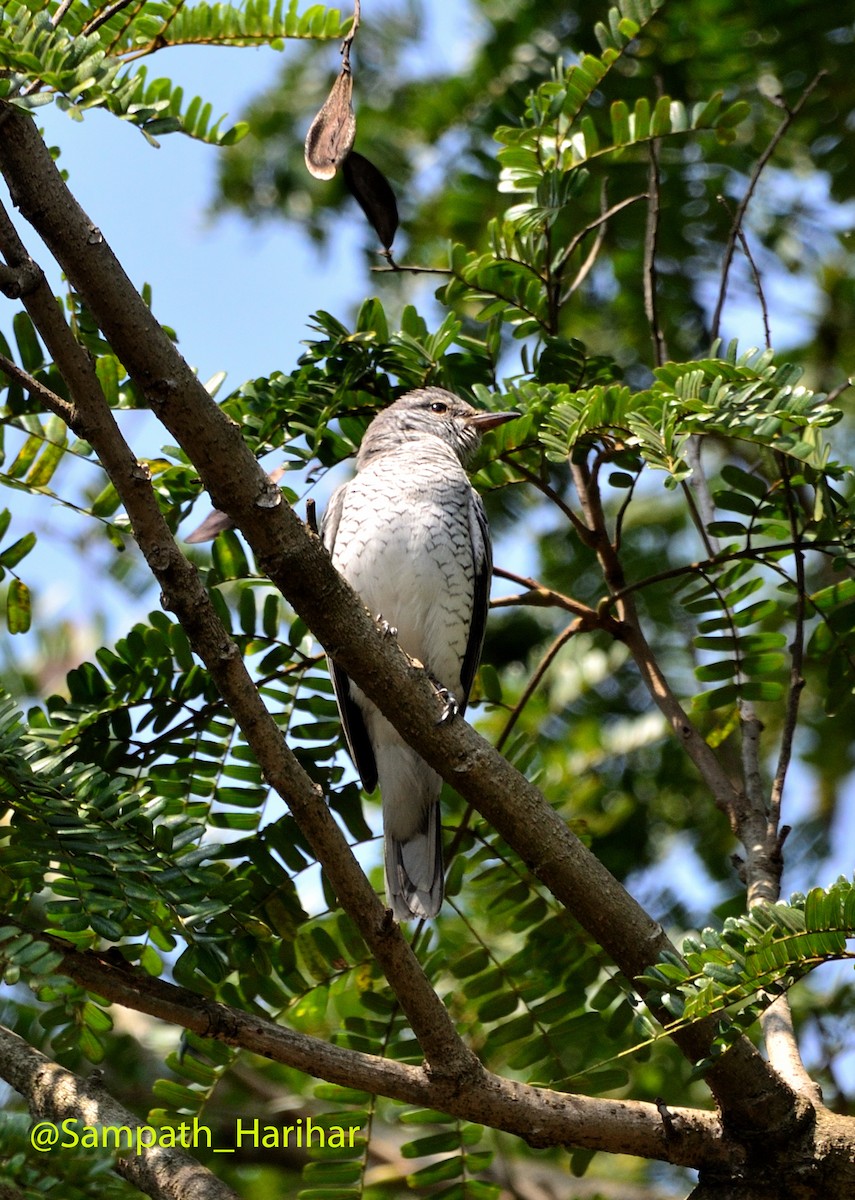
(331, 134)
(373, 192)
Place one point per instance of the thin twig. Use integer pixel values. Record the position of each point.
(60, 12)
(586, 267)
(38, 391)
(537, 676)
(525, 581)
(408, 268)
(837, 392)
(755, 273)
(542, 486)
(538, 596)
(103, 17)
(348, 41)
(698, 498)
(516, 712)
(742, 207)
(651, 242)
(703, 565)
(632, 635)
(796, 664)
(605, 216)
(623, 510)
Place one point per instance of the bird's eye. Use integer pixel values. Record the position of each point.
(439, 406)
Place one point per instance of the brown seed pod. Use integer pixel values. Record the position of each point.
(331, 134)
(373, 192)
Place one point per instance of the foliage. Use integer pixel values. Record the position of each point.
(702, 493)
(745, 965)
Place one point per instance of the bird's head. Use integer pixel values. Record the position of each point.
(429, 412)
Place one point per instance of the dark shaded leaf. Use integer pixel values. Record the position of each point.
(373, 193)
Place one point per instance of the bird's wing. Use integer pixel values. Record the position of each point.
(352, 721)
(482, 564)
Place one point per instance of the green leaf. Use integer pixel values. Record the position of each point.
(12, 555)
(18, 607)
(228, 556)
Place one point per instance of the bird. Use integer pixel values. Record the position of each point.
(410, 534)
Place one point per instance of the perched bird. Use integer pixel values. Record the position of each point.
(410, 535)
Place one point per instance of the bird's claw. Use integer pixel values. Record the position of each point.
(450, 706)
(388, 631)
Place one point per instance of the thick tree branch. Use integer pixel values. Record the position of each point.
(783, 1049)
(749, 1091)
(54, 1094)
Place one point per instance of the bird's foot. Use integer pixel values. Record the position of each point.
(388, 631)
(450, 706)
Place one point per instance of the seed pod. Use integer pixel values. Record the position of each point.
(373, 192)
(331, 134)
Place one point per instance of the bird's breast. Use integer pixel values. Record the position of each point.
(404, 544)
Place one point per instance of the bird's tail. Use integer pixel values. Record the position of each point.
(414, 870)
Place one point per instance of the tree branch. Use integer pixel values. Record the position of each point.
(783, 1049)
(37, 390)
(537, 675)
(797, 649)
(742, 207)
(651, 241)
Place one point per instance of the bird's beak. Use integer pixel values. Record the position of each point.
(489, 420)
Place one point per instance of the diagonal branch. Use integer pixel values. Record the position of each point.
(38, 391)
(742, 207)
